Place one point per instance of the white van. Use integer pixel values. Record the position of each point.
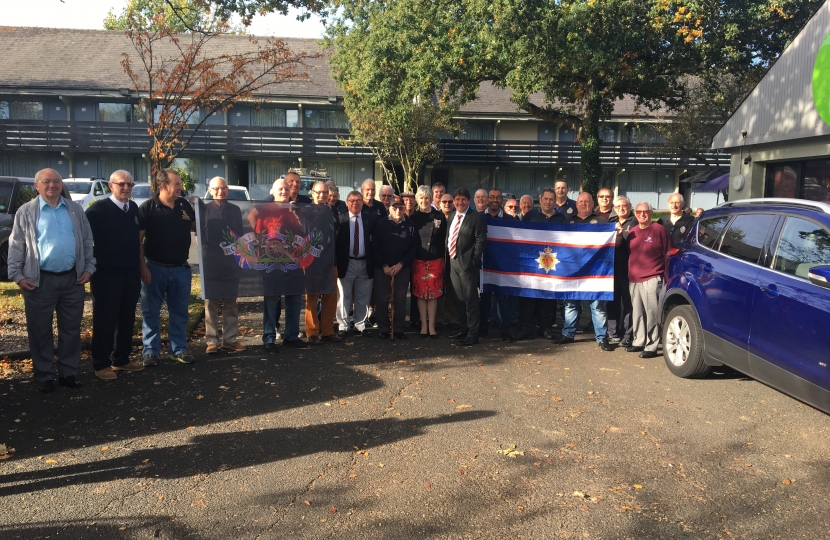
(86, 191)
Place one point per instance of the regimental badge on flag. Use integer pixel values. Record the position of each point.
(550, 260)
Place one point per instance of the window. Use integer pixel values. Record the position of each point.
(477, 131)
(114, 112)
(744, 239)
(800, 179)
(803, 244)
(645, 134)
(316, 118)
(607, 133)
(25, 193)
(269, 117)
(709, 230)
(21, 110)
(5, 196)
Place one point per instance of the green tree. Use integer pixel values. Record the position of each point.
(176, 15)
(393, 105)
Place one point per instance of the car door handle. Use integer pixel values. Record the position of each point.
(771, 291)
(708, 268)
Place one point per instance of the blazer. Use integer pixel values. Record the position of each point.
(341, 248)
(472, 239)
(24, 259)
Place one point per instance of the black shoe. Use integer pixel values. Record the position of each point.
(483, 332)
(459, 335)
(383, 335)
(47, 387)
(648, 354)
(524, 333)
(400, 336)
(470, 341)
(271, 348)
(626, 342)
(342, 334)
(372, 321)
(69, 382)
(434, 336)
(424, 336)
(547, 333)
(564, 339)
(605, 346)
(360, 333)
(505, 336)
(297, 343)
(632, 348)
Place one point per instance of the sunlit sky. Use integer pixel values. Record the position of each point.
(90, 14)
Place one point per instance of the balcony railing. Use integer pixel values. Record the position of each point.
(254, 141)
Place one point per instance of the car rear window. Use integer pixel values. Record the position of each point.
(802, 245)
(745, 237)
(709, 230)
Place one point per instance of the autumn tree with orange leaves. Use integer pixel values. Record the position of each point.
(182, 79)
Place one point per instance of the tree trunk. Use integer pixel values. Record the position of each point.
(589, 147)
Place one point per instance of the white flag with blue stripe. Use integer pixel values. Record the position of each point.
(550, 260)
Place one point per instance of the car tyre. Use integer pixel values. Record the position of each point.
(683, 344)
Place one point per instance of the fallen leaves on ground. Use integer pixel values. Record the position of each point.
(511, 451)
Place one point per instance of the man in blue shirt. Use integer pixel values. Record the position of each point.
(51, 259)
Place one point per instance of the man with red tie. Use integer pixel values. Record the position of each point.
(465, 247)
(353, 253)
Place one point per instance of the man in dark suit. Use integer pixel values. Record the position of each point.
(353, 253)
(466, 240)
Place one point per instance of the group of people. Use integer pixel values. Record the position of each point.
(428, 244)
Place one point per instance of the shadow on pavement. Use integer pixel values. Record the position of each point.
(222, 451)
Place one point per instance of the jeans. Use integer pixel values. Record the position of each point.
(598, 317)
(174, 284)
(271, 317)
(505, 309)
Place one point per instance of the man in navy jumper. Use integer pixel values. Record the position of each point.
(116, 285)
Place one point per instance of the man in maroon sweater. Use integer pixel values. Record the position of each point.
(649, 245)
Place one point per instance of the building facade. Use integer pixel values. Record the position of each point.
(66, 103)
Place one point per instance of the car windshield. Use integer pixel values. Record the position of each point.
(78, 187)
(142, 192)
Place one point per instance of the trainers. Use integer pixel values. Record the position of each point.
(150, 360)
(183, 358)
(129, 366)
(212, 348)
(107, 374)
(235, 346)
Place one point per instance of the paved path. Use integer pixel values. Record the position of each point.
(412, 439)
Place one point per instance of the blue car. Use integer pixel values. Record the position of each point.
(749, 287)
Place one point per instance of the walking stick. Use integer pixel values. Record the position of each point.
(392, 317)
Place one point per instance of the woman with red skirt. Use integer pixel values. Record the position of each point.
(428, 266)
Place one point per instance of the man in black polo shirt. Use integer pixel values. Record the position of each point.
(165, 222)
(116, 283)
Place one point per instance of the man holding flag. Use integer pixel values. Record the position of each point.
(585, 214)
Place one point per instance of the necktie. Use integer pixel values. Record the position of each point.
(356, 249)
(454, 236)
(125, 207)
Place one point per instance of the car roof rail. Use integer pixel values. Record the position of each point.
(804, 203)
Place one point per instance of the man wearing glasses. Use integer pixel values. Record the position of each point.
(511, 207)
(447, 303)
(649, 244)
(221, 272)
(619, 309)
(50, 258)
(116, 284)
(604, 207)
(322, 326)
(386, 196)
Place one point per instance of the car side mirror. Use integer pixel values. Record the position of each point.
(820, 275)
(98, 191)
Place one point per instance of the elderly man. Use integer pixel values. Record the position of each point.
(526, 205)
(511, 207)
(604, 207)
(438, 191)
(480, 200)
(409, 204)
(51, 258)
(619, 309)
(322, 327)
(539, 311)
(386, 196)
(353, 253)
(116, 284)
(334, 198)
(165, 223)
(649, 244)
(292, 280)
(221, 272)
(507, 306)
(678, 221)
(466, 240)
(294, 182)
(585, 215)
(448, 302)
(564, 205)
(373, 208)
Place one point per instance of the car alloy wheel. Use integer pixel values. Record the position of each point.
(683, 343)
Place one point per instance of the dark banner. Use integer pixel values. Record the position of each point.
(249, 248)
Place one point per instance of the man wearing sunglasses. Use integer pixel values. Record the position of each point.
(116, 285)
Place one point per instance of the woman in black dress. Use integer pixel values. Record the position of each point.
(428, 266)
